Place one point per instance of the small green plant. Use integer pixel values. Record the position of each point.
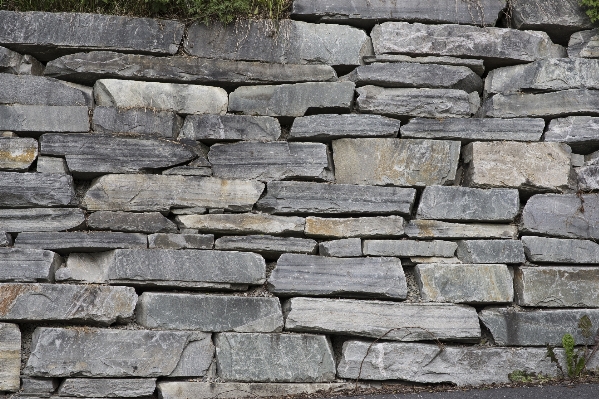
(592, 9)
(524, 377)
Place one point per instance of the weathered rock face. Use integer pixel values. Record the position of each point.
(147, 222)
(14, 63)
(51, 165)
(209, 312)
(50, 35)
(6, 239)
(327, 127)
(197, 357)
(249, 223)
(435, 229)
(39, 90)
(588, 178)
(395, 161)
(107, 387)
(40, 219)
(65, 242)
(180, 241)
(10, 353)
(17, 154)
(39, 387)
(491, 251)
(584, 44)
(136, 120)
(382, 226)
(326, 276)
(579, 132)
(274, 357)
(345, 248)
(217, 128)
(28, 265)
(408, 321)
(41, 118)
(408, 248)
(556, 250)
(477, 66)
(20, 190)
(270, 247)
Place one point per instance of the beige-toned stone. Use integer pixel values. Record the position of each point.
(381, 226)
(17, 154)
(10, 357)
(243, 223)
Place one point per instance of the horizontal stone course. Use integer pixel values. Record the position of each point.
(180, 241)
(477, 66)
(558, 250)
(10, 353)
(217, 128)
(141, 121)
(381, 226)
(145, 222)
(243, 223)
(491, 251)
(344, 248)
(17, 154)
(581, 133)
(270, 247)
(19, 190)
(42, 118)
(197, 359)
(327, 127)
(418, 228)
(65, 242)
(107, 387)
(22, 265)
(40, 219)
(409, 248)
(39, 90)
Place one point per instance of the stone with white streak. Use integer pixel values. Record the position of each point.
(19, 190)
(581, 133)
(10, 353)
(588, 178)
(378, 226)
(17, 154)
(141, 121)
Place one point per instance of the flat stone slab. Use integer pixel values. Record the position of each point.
(271, 161)
(55, 302)
(491, 251)
(17, 154)
(65, 242)
(401, 162)
(557, 287)
(477, 66)
(409, 248)
(163, 192)
(40, 90)
(222, 128)
(21, 265)
(19, 190)
(378, 226)
(285, 41)
(468, 204)
(180, 241)
(40, 219)
(558, 250)
(348, 277)
(581, 133)
(584, 44)
(475, 129)
(274, 357)
(86, 68)
(345, 248)
(399, 321)
(141, 121)
(292, 100)
(213, 313)
(166, 268)
(42, 118)
(435, 229)
(465, 283)
(10, 353)
(243, 223)
(270, 247)
(107, 387)
(328, 127)
(322, 198)
(129, 222)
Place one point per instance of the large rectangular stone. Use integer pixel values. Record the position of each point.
(218, 128)
(17, 154)
(409, 248)
(243, 223)
(63, 302)
(491, 251)
(131, 222)
(434, 229)
(163, 192)
(39, 90)
(107, 387)
(209, 312)
(65, 242)
(477, 66)
(373, 319)
(556, 250)
(50, 35)
(42, 118)
(270, 247)
(136, 120)
(274, 357)
(327, 127)
(340, 277)
(584, 44)
(581, 133)
(378, 226)
(19, 190)
(395, 161)
(320, 198)
(40, 219)
(10, 353)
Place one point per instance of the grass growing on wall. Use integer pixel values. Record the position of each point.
(206, 10)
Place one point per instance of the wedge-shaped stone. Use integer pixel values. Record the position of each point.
(409, 248)
(584, 44)
(327, 127)
(180, 241)
(209, 312)
(497, 46)
(475, 129)
(292, 100)
(10, 353)
(556, 250)
(274, 357)
(477, 66)
(579, 132)
(21, 265)
(65, 242)
(197, 357)
(426, 103)
(40, 219)
(20, 190)
(588, 178)
(271, 161)
(64, 302)
(381, 226)
(107, 387)
(531, 167)
(430, 363)
(50, 35)
(395, 161)
(217, 128)
(435, 229)
(41, 118)
(270, 247)
(568, 216)
(17, 154)
(88, 67)
(168, 268)
(136, 120)
(557, 287)
(491, 251)
(243, 223)
(162, 192)
(320, 198)
(399, 321)
(465, 283)
(285, 41)
(468, 204)
(345, 248)
(146, 222)
(39, 90)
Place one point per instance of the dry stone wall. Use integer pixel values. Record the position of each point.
(202, 211)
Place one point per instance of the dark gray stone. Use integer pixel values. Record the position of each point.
(147, 222)
(409, 248)
(557, 250)
(327, 127)
(39, 90)
(270, 247)
(20, 265)
(136, 120)
(377, 226)
(6, 239)
(345, 248)
(428, 229)
(491, 251)
(584, 44)
(19, 190)
(588, 178)
(41, 118)
(65, 242)
(180, 241)
(107, 387)
(39, 387)
(243, 223)
(51, 165)
(477, 66)
(10, 352)
(40, 219)
(581, 133)
(219, 128)
(17, 154)
(10, 61)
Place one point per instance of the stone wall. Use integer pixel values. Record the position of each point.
(193, 211)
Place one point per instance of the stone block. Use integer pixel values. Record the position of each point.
(107, 387)
(38, 387)
(345, 248)
(222, 128)
(21, 265)
(377, 226)
(66, 242)
(42, 118)
(477, 66)
(491, 251)
(559, 250)
(584, 44)
(39, 90)
(10, 353)
(428, 229)
(17, 154)
(51, 165)
(20, 190)
(270, 247)
(409, 248)
(328, 127)
(197, 358)
(146, 222)
(40, 219)
(136, 120)
(180, 241)
(588, 178)
(581, 133)
(243, 223)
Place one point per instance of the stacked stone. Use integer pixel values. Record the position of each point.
(261, 209)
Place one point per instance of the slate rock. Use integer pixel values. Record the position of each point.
(559, 250)
(581, 133)
(50, 35)
(180, 241)
(10, 61)
(65, 242)
(407, 321)
(197, 358)
(409, 248)
(328, 127)
(378, 226)
(588, 178)
(491, 251)
(41, 118)
(39, 90)
(477, 66)
(51, 165)
(6, 239)
(20, 190)
(428, 229)
(146, 222)
(243, 223)
(274, 357)
(17, 154)
(136, 120)
(270, 247)
(345, 248)
(107, 387)
(21, 265)
(38, 387)
(10, 353)
(584, 44)
(222, 128)
(40, 219)
(401, 162)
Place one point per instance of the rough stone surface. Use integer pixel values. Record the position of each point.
(579, 132)
(64, 302)
(21, 265)
(584, 44)
(65, 242)
(409, 248)
(107, 387)
(209, 312)
(491, 251)
(381, 226)
(465, 283)
(6, 239)
(39, 387)
(10, 354)
(19, 190)
(270, 247)
(320, 198)
(345, 248)
(327, 276)
(147, 222)
(180, 241)
(395, 161)
(327, 127)
(477, 66)
(39, 90)
(51, 165)
(218, 128)
(40, 219)
(17, 154)
(588, 178)
(41, 118)
(557, 250)
(247, 223)
(197, 357)
(274, 357)
(136, 120)
(15, 63)
(408, 321)
(435, 229)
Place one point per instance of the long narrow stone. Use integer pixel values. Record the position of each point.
(180, 241)
(327, 127)
(219, 128)
(40, 219)
(584, 44)
(409, 248)
(435, 229)
(581, 133)
(243, 223)
(39, 90)
(136, 120)
(146, 222)
(491, 251)
(556, 250)
(41, 118)
(20, 190)
(378, 226)
(17, 154)
(107, 387)
(270, 247)
(348, 277)
(66, 242)
(28, 265)
(373, 319)
(477, 66)
(10, 353)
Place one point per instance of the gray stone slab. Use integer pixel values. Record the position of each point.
(10, 352)
(377, 226)
(292, 100)
(39, 387)
(579, 132)
(188, 171)
(50, 35)
(491, 251)
(222, 128)
(428, 229)
(39, 90)
(10, 61)
(270, 247)
(162, 192)
(559, 250)
(465, 283)
(65, 242)
(468, 204)
(19, 190)
(345, 248)
(180, 241)
(307, 275)
(17, 154)
(557, 287)
(166, 268)
(40, 219)
(146, 222)
(496, 46)
(21, 265)
(409, 248)
(63, 302)
(210, 313)
(271, 161)
(6, 239)
(568, 216)
(51, 165)
(88, 67)
(328, 127)
(274, 357)
(588, 178)
(284, 41)
(584, 44)
(477, 66)
(243, 223)
(197, 358)
(136, 120)
(475, 129)
(512, 327)
(107, 387)
(425, 103)
(41, 118)
(373, 319)
(321, 198)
